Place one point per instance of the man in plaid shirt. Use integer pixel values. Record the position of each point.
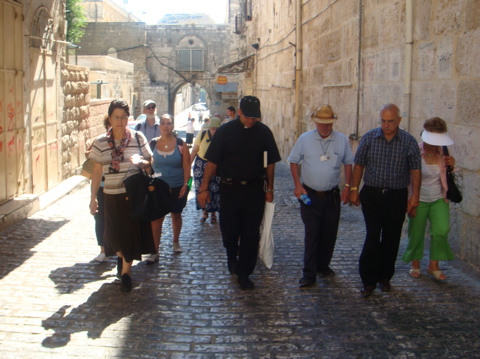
(389, 159)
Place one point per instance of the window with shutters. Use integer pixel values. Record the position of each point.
(191, 60)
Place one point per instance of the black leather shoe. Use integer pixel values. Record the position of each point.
(306, 282)
(119, 267)
(328, 272)
(385, 285)
(245, 283)
(367, 290)
(232, 266)
(126, 283)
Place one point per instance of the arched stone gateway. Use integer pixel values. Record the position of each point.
(165, 58)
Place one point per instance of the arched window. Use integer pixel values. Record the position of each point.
(42, 30)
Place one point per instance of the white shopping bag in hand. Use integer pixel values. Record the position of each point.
(266, 246)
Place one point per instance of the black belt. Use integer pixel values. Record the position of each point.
(385, 190)
(235, 182)
(321, 193)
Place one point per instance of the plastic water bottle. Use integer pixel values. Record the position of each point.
(305, 199)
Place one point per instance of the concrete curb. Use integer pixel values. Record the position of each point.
(23, 206)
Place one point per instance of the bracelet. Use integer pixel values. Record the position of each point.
(185, 184)
(269, 190)
(353, 188)
(205, 190)
(347, 185)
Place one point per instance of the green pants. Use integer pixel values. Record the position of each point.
(438, 214)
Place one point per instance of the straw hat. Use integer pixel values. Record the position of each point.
(324, 115)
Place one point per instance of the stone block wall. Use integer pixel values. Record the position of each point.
(354, 59)
(75, 114)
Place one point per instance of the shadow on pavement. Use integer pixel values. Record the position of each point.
(16, 249)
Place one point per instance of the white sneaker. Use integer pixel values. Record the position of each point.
(152, 258)
(177, 248)
(100, 258)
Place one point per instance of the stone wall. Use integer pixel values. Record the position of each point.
(75, 115)
(156, 76)
(354, 58)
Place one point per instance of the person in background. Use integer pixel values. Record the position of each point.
(171, 162)
(391, 160)
(190, 132)
(245, 153)
(149, 127)
(321, 152)
(202, 142)
(230, 114)
(433, 203)
(116, 155)
(205, 123)
(100, 215)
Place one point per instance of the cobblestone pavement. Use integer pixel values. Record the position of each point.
(56, 303)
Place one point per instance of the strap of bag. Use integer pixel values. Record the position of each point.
(446, 153)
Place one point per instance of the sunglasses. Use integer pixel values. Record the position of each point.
(150, 107)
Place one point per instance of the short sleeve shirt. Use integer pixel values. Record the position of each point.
(239, 152)
(321, 159)
(102, 153)
(388, 163)
(202, 143)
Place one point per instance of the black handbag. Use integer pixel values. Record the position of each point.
(148, 197)
(453, 193)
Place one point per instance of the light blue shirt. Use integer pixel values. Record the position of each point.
(321, 159)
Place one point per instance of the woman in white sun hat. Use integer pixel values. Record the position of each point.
(433, 203)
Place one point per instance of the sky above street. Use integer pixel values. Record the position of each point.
(151, 11)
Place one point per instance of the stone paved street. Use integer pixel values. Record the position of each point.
(56, 303)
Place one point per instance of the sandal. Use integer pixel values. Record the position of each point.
(437, 274)
(204, 217)
(213, 219)
(415, 272)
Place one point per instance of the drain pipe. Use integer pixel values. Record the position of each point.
(408, 59)
(298, 69)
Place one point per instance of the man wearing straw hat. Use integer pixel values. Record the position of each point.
(321, 152)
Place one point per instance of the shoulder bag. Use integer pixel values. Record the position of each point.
(149, 197)
(453, 193)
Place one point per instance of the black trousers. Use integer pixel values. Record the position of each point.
(384, 215)
(241, 213)
(100, 217)
(321, 219)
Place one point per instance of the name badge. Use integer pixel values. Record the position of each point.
(324, 157)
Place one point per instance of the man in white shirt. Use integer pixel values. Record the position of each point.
(150, 126)
(321, 152)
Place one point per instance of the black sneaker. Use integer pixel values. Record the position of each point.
(126, 283)
(306, 282)
(245, 283)
(327, 272)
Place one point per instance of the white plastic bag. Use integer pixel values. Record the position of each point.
(266, 245)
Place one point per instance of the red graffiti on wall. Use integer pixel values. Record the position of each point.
(11, 145)
(11, 116)
(1, 130)
(1, 146)
(11, 90)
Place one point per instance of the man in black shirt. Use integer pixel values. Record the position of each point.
(243, 152)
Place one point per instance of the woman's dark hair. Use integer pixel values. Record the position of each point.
(122, 104)
(435, 125)
(106, 122)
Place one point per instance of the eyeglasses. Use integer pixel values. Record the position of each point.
(387, 122)
(119, 118)
(150, 107)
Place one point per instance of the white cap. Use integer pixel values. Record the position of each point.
(436, 139)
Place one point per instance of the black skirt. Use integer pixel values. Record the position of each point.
(122, 233)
